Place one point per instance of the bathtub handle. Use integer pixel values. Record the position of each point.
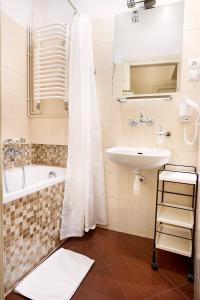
(6, 181)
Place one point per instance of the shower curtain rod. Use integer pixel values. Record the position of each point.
(73, 5)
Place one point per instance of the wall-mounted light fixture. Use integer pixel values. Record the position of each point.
(147, 3)
(132, 5)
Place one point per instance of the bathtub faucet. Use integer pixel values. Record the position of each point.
(11, 152)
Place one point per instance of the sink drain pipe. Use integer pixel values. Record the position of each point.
(138, 181)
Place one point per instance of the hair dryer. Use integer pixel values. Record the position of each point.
(185, 112)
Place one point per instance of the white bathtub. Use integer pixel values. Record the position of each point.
(36, 178)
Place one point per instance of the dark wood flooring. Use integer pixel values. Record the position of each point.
(122, 269)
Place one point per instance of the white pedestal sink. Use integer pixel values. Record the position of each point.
(139, 159)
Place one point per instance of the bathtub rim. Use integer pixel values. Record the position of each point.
(8, 197)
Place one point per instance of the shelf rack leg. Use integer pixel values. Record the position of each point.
(154, 263)
(194, 204)
(191, 271)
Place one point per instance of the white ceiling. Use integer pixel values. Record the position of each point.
(44, 11)
(98, 8)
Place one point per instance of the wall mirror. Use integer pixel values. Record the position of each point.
(148, 50)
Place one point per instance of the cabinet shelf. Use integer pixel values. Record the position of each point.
(174, 239)
(178, 177)
(175, 206)
(176, 216)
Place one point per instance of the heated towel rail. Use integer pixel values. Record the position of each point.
(47, 65)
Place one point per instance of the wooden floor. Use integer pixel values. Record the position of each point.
(122, 269)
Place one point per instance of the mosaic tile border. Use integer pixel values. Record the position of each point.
(40, 154)
(53, 155)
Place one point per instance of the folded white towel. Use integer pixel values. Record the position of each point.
(57, 278)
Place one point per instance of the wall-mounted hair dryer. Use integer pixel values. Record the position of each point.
(185, 113)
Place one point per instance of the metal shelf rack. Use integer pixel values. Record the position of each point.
(174, 221)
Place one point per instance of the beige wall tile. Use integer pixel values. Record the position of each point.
(103, 56)
(110, 109)
(117, 211)
(184, 157)
(15, 127)
(14, 105)
(117, 226)
(191, 18)
(49, 131)
(14, 53)
(104, 83)
(117, 184)
(103, 29)
(191, 38)
(137, 220)
(13, 83)
(116, 134)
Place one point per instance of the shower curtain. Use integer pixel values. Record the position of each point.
(84, 203)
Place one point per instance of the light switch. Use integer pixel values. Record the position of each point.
(194, 69)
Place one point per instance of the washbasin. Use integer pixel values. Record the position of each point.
(139, 159)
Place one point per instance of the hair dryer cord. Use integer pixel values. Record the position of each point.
(195, 133)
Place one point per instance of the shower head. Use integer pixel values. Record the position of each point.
(132, 5)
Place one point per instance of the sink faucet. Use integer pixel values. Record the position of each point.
(141, 120)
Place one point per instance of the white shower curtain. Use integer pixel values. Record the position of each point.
(85, 199)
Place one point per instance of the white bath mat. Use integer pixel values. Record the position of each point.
(57, 278)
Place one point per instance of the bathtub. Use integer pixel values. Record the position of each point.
(37, 177)
(31, 217)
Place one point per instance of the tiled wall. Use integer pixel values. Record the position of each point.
(31, 227)
(191, 49)
(15, 121)
(126, 212)
(39, 154)
(14, 79)
(49, 131)
(53, 155)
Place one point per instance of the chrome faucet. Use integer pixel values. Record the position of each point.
(141, 120)
(11, 152)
